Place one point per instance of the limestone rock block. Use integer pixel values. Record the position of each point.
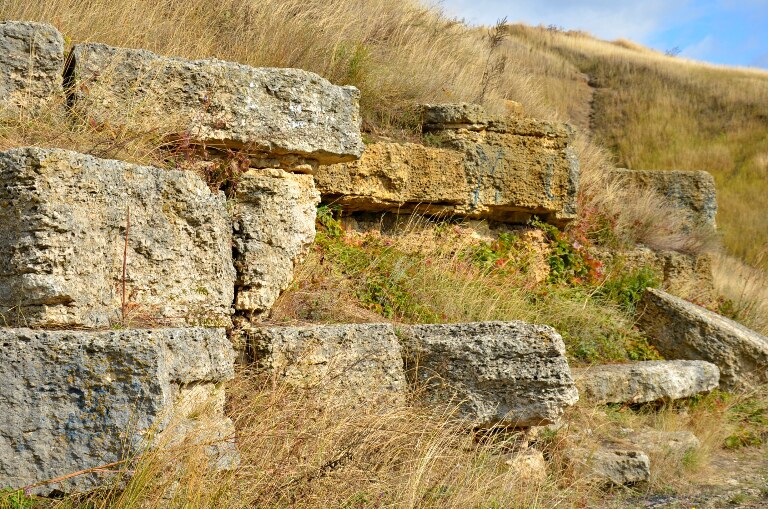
(681, 330)
(611, 466)
(74, 400)
(31, 66)
(361, 363)
(453, 116)
(507, 170)
(690, 191)
(642, 382)
(274, 226)
(508, 373)
(63, 220)
(267, 111)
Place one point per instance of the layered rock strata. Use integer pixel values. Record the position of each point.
(87, 242)
(506, 169)
(642, 382)
(498, 373)
(31, 66)
(280, 117)
(76, 400)
(681, 330)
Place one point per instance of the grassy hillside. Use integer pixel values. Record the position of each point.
(655, 111)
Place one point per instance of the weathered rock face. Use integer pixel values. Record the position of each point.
(612, 466)
(641, 382)
(362, 363)
(274, 225)
(288, 116)
(690, 191)
(63, 219)
(74, 400)
(510, 373)
(503, 169)
(686, 275)
(31, 66)
(681, 330)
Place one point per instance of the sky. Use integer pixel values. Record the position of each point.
(730, 32)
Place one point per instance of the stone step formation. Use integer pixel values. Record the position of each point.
(143, 272)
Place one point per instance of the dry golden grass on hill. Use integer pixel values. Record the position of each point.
(659, 112)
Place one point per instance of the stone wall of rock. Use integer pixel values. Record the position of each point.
(75, 400)
(31, 66)
(693, 192)
(64, 218)
(504, 169)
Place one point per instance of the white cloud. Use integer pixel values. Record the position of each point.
(607, 19)
(700, 49)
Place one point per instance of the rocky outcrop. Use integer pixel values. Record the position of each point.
(504, 169)
(508, 373)
(31, 66)
(274, 226)
(685, 275)
(64, 219)
(75, 400)
(693, 192)
(681, 330)
(361, 363)
(642, 382)
(611, 466)
(285, 118)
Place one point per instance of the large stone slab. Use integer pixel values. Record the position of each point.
(63, 221)
(681, 330)
(506, 373)
(31, 66)
(271, 113)
(360, 362)
(502, 169)
(75, 400)
(274, 226)
(693, 192)
(642, 382)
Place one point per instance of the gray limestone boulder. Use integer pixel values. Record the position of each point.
(361, 363)
(505, 373)
(611, 466)
(266, 112)
(454, 116)
(681, 330)
(31, 66)
(75, 400)
(63, 221)
(274, 226)
(642, 382)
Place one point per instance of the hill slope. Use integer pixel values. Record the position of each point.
(659, 112)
